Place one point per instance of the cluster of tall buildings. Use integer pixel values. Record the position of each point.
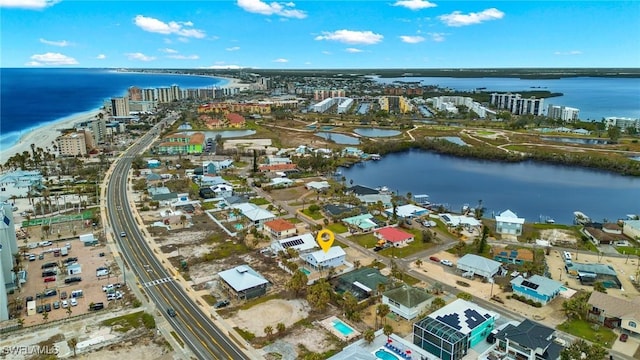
(563, 113)
(518, 105)
(451, 103)
(623, 123)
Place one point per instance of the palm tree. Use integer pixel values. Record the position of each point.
(268, 330)
(369, 335)
(73, 343)
(387, 330)
(281, 328)
(418, 263)
(383, 310)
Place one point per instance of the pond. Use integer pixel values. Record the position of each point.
(570, 140)
(454, 139)
(425, 111)
(226, 134)
(373, 132)
(338, 138)
(323, 127)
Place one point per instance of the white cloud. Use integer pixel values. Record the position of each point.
(61, 43)
(234, 48)
(437, 37)
(415, 4)
(50, 59)
(274, 8)
(172, 27)
(572, 52)
(183, 39)
(28, 4)
(326, 52)
(184, 57)
(457, 18)
(353, 50)
(140, 57)
(281, 60)
(101, 56)
(412, 39)
(169, 51)
(222, 66)
(351, 37)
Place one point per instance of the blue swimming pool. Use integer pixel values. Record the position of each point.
(343, 328)
(385, 355)
(304, 270)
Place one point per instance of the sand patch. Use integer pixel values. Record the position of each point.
(271, 313)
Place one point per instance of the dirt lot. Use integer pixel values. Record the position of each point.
(89, 259)
(271, 313)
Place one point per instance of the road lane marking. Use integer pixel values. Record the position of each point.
(157, 282)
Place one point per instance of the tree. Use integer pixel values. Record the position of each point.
(356, 264)
(73, 343)
(369, 335)
(387, 330)
(464, 296)
(482, 245)
(427, 237)
(319, 294)
(436, 304)
(350, 307)
(183, 219)
(383, 310)
(45, 316)
(281, 327)
(599, 287)
(298, 282)
(418, 263)
(582, 350)
(268, 330)
(577, 306)
(614, 133)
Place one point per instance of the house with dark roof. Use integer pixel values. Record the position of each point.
(614, 312)
(537, 288)
(361, 190)
(528, 341)
(603, 234)
(244, 282)
(362, 282)
(407, 301)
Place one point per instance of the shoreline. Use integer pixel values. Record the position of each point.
(43, 135)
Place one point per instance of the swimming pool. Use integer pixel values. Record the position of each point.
(304, 270)
(385, 355)
(343, 328)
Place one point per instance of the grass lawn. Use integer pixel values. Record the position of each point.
(259, 201)
(131, 321)
(628, 250)
(210, 299)
(584, 329)
(369, 241)
(337, 228)
(484, 132)
(293, 220)
(314, 215)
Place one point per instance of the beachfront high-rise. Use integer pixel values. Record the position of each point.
(563, 113)
(8, 247)
(135, 93)
(120, 106)
(518, 105)
(75, 144)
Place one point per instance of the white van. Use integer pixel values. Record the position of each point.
(102, 272)
(566, 255)
(77, 294)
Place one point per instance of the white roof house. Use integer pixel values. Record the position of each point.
(254, 213)
(332, 258)
(509, 223)
(317, 185)
(408, 211)
(455, 220)
(301, 243)
(244, 281)
(478, 265)
(280, 182)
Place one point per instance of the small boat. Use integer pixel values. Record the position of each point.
(550, 221)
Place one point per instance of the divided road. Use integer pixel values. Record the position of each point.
(195, 328)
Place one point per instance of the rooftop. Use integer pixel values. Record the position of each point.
(242, 278)
(393, 234)
(279, 225)
(462, 315)
(539, 284)
(408, 296)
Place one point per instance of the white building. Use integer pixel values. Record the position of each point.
(622, 122)
(323, 260)
(478, 265)
(120, 106)
(18, 183)
(344, 104)
(301, 243)
(256, 215)
(509, 223)
(518, 105)
(407, 301)
(563, 113)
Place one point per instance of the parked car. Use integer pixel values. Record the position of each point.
(47, 307)
(56, 304)
(41, 256)
(446, 262)
(29, 298)
(171, 312)
(40, 309)
(50, 292)
(70, 260)
(63, 295)
(624, 337)
(107, 287)
(221, 304)
(32, 257)
(49, 279)
(72, 280)
(434, 258)
(48, 265)
(96, 306)
(73, 302)
(65, 304)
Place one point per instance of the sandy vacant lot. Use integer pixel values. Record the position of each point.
(271, 313)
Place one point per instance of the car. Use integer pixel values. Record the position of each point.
(56, 304)
(434, 258)
(70, 260)
(49, 279)
(40, 309)
(47, 307)
(45, 243)
(111, 297)
(65, 304)
(96, 306)
(73, 302)
(29, 298)
(32, 257)
(72, 280)
(171, 312)
(41, 256)
(107, 287)
(50, 292)
(123, 234)
(63, 295)
(48, 265)
(624, 337)
(446, 262)
(221, 304)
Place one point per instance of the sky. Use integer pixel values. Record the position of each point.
(319, 34)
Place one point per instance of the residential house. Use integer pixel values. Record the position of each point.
(361, 190)
(407, 211)
(222, 190)
(278, 168)
(631, 228)
(321, 260)
(537, 288)
(371, 199)
(508, 223)
(274, 160)
(153, 163)
(301, 243)
(352, 152)
(279, 228)
(362, 283)
(407, 301)
(528, 341)
(603, 234)
(362, 222)
(394, 236)
(279, 182)
(450, 331)
(589, 274)
(466, 222)
(317, 185)
(257, 216)
(207, 180)
(517, 257)
(338, 211)
(235, 120)
(478, 265)
(614, 312)
(213, 167)
(243, 282)
(20, 182)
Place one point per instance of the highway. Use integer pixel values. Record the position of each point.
(195, 328)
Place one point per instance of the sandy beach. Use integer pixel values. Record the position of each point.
(45, 135)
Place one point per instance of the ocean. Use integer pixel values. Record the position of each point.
(596, 97)
(32, 97)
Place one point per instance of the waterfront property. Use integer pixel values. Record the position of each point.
(631, 228)
(614, 312)
(537, 288)
(527, 341)
(478, 265)
(407, 211)
(407, 301)
(508, 223)
(20, 182)
(450, 331)
(243, 282)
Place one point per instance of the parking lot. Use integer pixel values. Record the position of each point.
(52, 280)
